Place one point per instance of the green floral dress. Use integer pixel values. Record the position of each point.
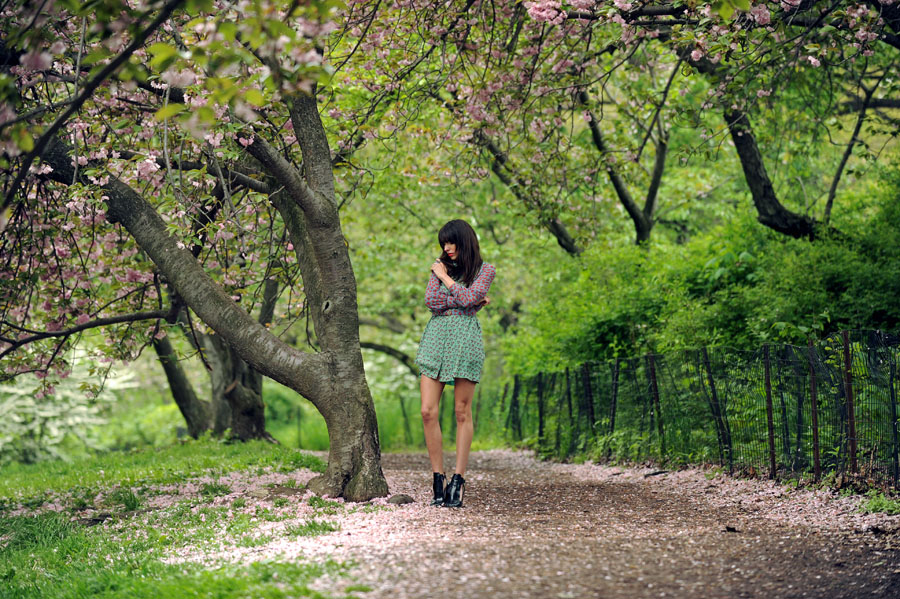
(452, 346)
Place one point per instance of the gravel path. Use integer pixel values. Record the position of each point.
(534, 529)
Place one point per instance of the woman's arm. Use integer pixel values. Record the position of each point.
(466, 298)
(436, 300)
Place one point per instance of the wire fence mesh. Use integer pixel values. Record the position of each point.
(782, 410)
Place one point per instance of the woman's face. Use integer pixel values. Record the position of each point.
(450, 249)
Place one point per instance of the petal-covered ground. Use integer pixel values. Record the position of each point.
(528, 529)
(537, 529)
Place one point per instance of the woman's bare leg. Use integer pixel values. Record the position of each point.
(465, 429)
(431, 401)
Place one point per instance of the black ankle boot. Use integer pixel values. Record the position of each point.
(453, 494)
(439, 481)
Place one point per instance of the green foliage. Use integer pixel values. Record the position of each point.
(312, 528)
(36, 426)
(877, 502)
(739, 285)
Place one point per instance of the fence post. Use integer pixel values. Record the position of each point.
(817, 467)
(851, 412)
(769, 420)
(894, 457)
(718, 414)
(654, 388)
(573, 424)
(514, 422)
(477, 408)
(540, 398)
(615, 396)
(588, 395)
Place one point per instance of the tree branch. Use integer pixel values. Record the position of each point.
(253, 342)
(642, 225)
(861, 117)
(393, 352)
(285, 173)
(515, 184)
(93, 324)
(89, 88)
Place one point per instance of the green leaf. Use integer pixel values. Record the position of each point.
(255, 97)
(228, 30)
(95, 56)
(168, 111)
(724, 8)
(741, 4)
(24, 140)
(163, 55)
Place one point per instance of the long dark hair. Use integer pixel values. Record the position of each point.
(468, 252)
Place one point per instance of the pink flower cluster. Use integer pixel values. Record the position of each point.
(546, 11)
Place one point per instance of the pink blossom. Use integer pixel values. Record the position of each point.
(696, 54)
(760, 14)
(82, 319)
(181, 78)
(546, 11)
(813, 61)
(36, 60)
(146, 167)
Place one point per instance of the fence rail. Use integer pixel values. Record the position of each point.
(781, 410)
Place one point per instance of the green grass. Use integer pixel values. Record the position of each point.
(878, 502)
(312, 528)
(325, 506)
(49, 557)
(52, 555)
(125, 498)
(214, 490)
(176, 463)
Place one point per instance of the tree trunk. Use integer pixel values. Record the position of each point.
(236, 389)
(237, 386)
(197, 414)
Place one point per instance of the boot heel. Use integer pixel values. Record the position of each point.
(454, 492)
(438, 488)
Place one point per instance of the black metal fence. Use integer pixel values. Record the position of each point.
(830, 407)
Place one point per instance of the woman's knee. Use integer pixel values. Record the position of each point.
(429, 414)
(463, 412)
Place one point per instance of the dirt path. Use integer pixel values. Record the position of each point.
(532, 529)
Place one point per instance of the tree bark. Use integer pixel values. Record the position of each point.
(237, 386)
(196, 413)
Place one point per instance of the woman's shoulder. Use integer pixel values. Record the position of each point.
(487, 267)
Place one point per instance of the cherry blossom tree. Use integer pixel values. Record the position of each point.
(208, 112)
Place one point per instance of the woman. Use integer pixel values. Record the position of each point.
(451, 350)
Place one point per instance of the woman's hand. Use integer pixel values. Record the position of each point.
(439, 269)
(485, 301)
